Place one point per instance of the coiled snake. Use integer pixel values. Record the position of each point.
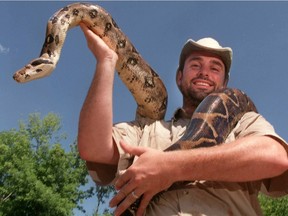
(211, 122)
(210, 125)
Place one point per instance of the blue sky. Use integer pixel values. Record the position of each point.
(257, 32)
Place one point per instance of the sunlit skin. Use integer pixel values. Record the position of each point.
(202, 74)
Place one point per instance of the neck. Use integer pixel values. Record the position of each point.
(188, 111)
(189, 106)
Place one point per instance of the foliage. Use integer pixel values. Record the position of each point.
(103, 193)
(274, 206)
(37, 176)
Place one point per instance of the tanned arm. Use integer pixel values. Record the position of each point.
(95, 141)
(246, 159)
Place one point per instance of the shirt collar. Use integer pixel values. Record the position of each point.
(180, 114)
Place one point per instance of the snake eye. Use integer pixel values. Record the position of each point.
(40, 61)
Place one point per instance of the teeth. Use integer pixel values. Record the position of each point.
(202, 83)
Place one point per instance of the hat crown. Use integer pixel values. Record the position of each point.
(209, 42)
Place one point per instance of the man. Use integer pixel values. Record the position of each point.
(224, 180)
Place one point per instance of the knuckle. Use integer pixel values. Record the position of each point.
(122, 194)
(131, 199)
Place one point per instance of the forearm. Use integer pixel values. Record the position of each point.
(95, 143)
(246, 159)
(95, 122)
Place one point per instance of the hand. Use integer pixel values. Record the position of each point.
(149, 175)
(98, 47)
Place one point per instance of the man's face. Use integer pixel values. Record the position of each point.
(203, 73)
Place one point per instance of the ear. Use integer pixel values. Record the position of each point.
(226, 82)
(179, 76)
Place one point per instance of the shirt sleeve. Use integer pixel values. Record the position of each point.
(130, 133)
(255, 124)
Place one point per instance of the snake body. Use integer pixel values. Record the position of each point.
(213, 119)
(142, 81)
(210, 125)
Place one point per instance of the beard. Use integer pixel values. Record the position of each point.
(195, 97)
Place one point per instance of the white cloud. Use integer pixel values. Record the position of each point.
(3, 49)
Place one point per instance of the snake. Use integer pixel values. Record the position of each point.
(210, 125)
(142, 81)
(214, 118)
(211, 122)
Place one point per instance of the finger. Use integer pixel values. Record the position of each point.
(134, 150)
(126, 203)
(121, 195)
(143, 204)
(84, 28)
(87, 32)
(122, 181)
(117, 199)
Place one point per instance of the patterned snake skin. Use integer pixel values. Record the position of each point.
(210, 125)
(143, 82)
(212, 121)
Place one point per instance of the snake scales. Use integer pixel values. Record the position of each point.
(142, 81)
(210, 124)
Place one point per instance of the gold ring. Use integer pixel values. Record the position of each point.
(134, 195)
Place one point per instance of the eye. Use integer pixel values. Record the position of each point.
(195, 65)
(216, 68)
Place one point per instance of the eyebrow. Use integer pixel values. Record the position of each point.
(191, 58)
(218, 62)
(199, 58)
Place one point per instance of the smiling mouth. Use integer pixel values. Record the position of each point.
(200, 83)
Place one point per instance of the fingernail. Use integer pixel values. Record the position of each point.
(110, 205)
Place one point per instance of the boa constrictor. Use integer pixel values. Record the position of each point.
(212, 121)
(142, 81)
(210, 125)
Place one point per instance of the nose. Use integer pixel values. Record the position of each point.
(203, 71)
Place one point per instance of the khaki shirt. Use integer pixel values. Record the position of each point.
(200, 197)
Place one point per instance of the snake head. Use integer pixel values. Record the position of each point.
(36, 69)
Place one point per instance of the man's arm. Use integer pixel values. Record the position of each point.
(246, 159)
(95, 141)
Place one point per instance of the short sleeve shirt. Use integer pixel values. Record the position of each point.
(200, 197)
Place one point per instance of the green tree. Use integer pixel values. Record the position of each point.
(103, 193)
(274, 206)
(37, 176)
